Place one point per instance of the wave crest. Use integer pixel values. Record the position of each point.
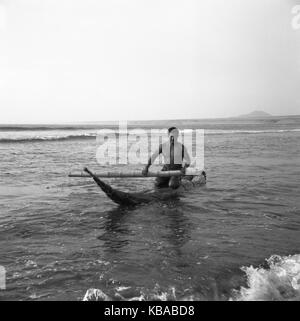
(279, 282)
(46, 138)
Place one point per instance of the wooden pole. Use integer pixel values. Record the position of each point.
(123, 174)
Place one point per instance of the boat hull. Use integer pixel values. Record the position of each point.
(133, 199)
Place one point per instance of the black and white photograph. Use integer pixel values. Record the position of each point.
(149, 151)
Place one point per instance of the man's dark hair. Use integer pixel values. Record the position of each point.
(171, 129)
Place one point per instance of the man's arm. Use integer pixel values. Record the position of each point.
(186, 157)
(152, 160)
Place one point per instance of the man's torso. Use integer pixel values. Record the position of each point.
(172, 154)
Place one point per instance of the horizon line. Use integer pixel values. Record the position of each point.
(244, 117)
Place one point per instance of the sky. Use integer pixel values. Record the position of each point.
(98, 60)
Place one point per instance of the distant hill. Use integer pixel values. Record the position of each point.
(256, 114)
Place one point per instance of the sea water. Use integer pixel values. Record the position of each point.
(237, 238)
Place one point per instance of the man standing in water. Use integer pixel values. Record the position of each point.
(176, 157)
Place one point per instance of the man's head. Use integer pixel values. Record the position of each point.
(173, 132)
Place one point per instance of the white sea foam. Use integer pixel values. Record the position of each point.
(38, 136)
(280, 281)
(95, 295)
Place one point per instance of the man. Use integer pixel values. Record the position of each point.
(176, 157)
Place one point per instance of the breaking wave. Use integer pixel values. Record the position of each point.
(280, 281)
(42, 136)
(47, 138)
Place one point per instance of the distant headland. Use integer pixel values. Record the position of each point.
(256, 114)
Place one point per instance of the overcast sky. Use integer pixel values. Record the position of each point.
(94, 60)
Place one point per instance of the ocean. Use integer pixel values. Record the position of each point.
(237, 238)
